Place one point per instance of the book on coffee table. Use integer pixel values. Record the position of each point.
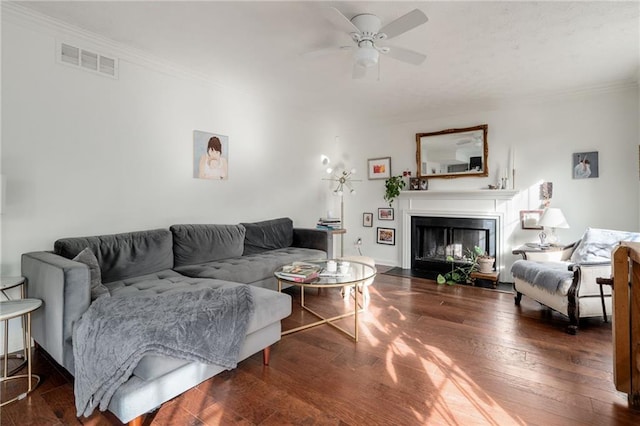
(302, 272)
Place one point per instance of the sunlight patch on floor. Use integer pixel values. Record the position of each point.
(451, 396)
(465, 400)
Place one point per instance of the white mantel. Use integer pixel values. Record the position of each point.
(480, 203)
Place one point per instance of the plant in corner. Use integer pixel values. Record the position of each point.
(462, 273)
(392, 188)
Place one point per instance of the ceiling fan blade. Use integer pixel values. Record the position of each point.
(358, 71)
(404, 23)
(326, 51)
(340, 21)
(405, 55)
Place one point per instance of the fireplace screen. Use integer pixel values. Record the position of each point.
(433, 239)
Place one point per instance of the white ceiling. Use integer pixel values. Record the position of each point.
(478, 53)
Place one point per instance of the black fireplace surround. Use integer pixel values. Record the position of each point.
(435, 238)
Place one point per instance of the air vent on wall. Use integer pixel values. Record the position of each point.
(85, 59)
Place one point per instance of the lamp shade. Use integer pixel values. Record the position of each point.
(553, 218)
(366, 56)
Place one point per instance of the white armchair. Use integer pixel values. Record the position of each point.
(565, 280)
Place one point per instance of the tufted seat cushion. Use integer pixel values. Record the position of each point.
(268, 304)
(250, 268)
(270, 307)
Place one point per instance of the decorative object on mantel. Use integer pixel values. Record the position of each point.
(585, 165)
(551, 218)
(392, 188)
(468, 146)
(512, 167)
(418, 184)
(379, 168)
(414, 184)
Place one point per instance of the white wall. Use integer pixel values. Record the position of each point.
(85, 155)
(545, 134)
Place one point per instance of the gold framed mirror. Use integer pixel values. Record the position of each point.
(453, 153)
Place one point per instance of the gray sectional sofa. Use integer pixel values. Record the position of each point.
(161, 261)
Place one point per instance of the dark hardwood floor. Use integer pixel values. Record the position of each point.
(427, 354)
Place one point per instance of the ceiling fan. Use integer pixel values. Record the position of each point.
(366, 31)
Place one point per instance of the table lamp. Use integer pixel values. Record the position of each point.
(551, 218)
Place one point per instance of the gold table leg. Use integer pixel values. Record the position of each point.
(329, 321)
(29, 376)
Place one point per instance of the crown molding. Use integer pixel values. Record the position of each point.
(12, 11)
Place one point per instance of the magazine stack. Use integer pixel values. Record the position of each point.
(329, 223)
(300, 272)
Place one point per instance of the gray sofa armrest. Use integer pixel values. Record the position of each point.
(311, 238)
(64, 287)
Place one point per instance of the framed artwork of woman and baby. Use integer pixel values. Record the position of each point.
(585, 165)
(210, 156)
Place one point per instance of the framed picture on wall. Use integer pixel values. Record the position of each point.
(210, 156)
(386, 236)
(385, 213)
(379, 168)
(529, 219)
(367, 220)
(585, 165)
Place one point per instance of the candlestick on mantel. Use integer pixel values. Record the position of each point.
(513, 167)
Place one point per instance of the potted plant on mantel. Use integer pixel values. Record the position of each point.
(392, 188)
(475, 260)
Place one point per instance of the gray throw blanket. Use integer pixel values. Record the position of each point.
(112, 336)
(546, 275)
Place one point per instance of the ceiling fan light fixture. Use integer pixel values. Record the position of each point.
(366, 56)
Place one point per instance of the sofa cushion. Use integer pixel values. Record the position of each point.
(268, 235)
(193, 244)
(251, 268)
(87, 257)
(596, 244)
(270, 307)
(123, 255)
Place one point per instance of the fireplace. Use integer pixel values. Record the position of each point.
(433, 239)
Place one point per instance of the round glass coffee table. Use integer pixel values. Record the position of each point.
(355, 276)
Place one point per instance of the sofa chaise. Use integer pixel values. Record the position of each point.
(183, 257)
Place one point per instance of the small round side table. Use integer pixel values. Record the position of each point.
(7, 283)
(12, 309)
